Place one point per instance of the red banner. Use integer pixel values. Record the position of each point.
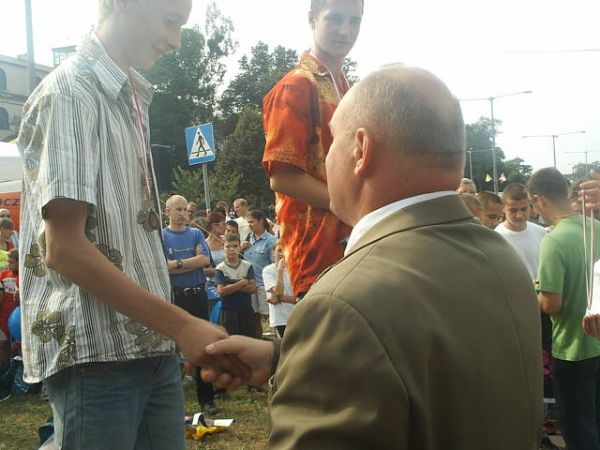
(12, 202)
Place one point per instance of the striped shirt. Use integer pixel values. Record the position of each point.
(79, 139)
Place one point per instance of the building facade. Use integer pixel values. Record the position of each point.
(14, 90)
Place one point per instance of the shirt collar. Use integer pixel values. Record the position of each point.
(309, 63)
(370, 220)
(110, 76)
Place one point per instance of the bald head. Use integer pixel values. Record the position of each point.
(175, 199)
(408, 110)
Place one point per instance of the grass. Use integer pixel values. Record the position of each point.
(20, 418)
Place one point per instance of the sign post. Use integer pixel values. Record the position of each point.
(200, 144)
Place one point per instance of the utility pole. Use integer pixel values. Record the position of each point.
(30, 56)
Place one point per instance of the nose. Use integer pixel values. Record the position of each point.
(174, 40)
(344, 29)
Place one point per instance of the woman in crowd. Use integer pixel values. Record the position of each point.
(258, 250)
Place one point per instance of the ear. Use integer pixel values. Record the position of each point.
(362, 152)
(311, 20)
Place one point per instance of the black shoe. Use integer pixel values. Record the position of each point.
(546, 444)
(210, 408)
(4, 395)
(256, 389)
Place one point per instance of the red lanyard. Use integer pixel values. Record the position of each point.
(142, 133)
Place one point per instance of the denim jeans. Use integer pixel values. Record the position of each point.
(577, 391)
(119, 405)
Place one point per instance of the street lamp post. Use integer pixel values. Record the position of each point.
(554, 136)
(491, 100)
(30, 57)
(587, 166)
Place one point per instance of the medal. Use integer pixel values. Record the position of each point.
(148, 217)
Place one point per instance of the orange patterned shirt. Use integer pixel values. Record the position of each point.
(296, 117)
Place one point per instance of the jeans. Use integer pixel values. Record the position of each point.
(577, 391)
(197, 306)
(130, 405)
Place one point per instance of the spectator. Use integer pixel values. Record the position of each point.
(231, 226)
(562, 294)
(7, 227)
(241, 209)
(192, 212)
(296, 119)
(258, 250)
(187, 256)
(467, 186)
(14, 238)
(9, 285)
(524, 236)
(473, 204)
(95, 291)
(225, 206)
(492, 209)
(278, 286)
(215, 223)
(235, 284)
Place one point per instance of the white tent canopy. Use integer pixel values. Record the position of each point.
(11, 170)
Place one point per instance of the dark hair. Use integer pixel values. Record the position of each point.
(257, 214)
(220, 210)
(515, 192)
(317, 5)
(214, 217)
(7, 224)
(487, 197)
(233, 223)
(550, 183)
(222, 204)
(232, 237)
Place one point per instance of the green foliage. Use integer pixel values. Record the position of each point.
(582, 170)
(186, 83)
(515, 171)
(189, 182)
(258, 74)
(238, 171)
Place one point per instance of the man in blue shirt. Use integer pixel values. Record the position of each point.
(187, 254)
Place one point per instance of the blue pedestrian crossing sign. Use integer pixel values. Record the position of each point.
(200, 143)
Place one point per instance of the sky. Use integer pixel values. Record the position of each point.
(480, 48)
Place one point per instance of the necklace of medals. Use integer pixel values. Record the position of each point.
(589, 247)
(338, 91)
(148, 216)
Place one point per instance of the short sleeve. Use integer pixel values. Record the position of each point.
(59, 143)
(200, 241)
(269, 277)
(219, 277)
(552, 268)
(288, 123)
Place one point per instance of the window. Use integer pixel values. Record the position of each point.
(2, 80)
(4, 125)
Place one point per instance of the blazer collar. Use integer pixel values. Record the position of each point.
(445, 209)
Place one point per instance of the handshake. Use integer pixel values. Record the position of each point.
(226, 361)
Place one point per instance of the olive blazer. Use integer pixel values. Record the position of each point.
(426, 336)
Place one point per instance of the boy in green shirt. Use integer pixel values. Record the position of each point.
(562, 294)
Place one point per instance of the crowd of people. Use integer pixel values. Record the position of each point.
(407, 306)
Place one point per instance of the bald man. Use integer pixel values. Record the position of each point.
(397, 346)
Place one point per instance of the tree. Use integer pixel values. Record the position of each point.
(515, 171)
(186, 83)
(479, 143)
(258, 74)
(582, 170)
(238, 171)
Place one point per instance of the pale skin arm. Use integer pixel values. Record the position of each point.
(278, 295)
(195, 262)
(591, 325)
(256, 354)
(71, 254)
(294, 182)
(550, 302)
(225, 290)
(590, 190)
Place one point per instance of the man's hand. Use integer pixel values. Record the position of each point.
(195, 335)
(255, 354)
(591, 325)
(245, 245)
(590, 191)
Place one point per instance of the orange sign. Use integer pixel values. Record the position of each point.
(12, 202)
